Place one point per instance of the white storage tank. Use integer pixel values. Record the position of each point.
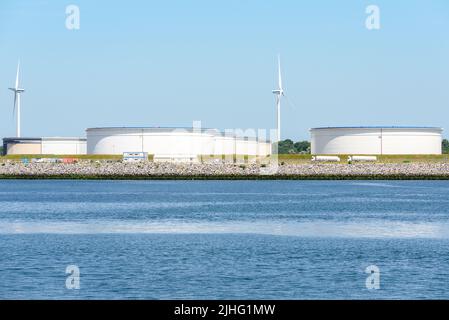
(376, 140)
(63, 146)
(167, 143)
(362, 158)
(44, 146)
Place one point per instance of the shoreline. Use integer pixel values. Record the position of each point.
(224, 178)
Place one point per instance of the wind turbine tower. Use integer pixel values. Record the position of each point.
(17, 91)
(279, 92)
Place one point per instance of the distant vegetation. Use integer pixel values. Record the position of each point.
(445, 146)
(303, 147)
(290, 147)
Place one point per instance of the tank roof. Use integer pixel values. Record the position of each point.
(11, 139)
(213, 131)
(378, 127)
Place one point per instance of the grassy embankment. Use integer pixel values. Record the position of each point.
(306, 158)
(83, 157)
(285, 158)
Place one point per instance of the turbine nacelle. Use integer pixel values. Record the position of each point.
(279, 92)
(18, 90)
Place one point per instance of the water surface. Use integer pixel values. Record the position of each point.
(224, 239)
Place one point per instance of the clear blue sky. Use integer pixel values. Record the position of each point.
(167, 63)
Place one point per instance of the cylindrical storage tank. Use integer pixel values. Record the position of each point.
(17, 146)
(47, 146)
(170, 142)
(161, 141)
(224, 145)
(326, 158)
(362, 158)
(63, 146)
(264, 148)
(376, 140)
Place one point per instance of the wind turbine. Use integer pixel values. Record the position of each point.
(17, 91)
(279, 93)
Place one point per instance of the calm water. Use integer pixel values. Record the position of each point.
(224, 239)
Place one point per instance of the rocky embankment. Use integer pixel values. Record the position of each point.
(150, 170)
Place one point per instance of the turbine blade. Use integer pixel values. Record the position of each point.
(290, 102)
(279, 72)
(17, 76)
